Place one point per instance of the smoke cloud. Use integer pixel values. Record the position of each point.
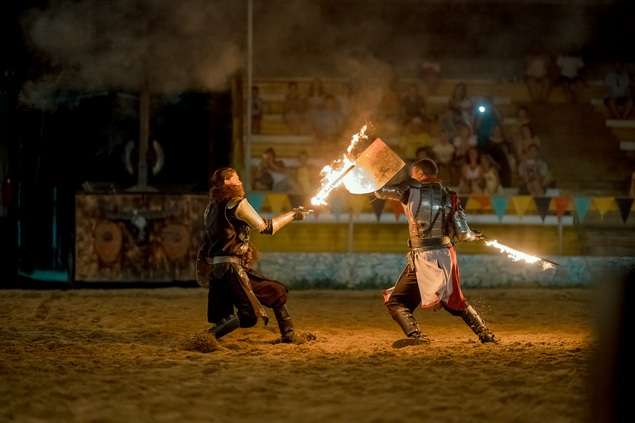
(196, 44)
(123, 44)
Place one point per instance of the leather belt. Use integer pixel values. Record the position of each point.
(430, 243)
(223, 259)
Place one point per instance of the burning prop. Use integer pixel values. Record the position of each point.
(367, 172)
(517, 255)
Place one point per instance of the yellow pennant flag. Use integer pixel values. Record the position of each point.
(277, 202)
(358, 203)
(604, 205)
(521, 203)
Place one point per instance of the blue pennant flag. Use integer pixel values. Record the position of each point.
(582, 207)
(499, 202)
(256, 199)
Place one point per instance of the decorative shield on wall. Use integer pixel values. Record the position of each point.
(175, 239)
(108, 241)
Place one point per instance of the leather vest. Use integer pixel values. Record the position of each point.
(223, 233)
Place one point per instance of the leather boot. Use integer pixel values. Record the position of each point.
(225, 326)
(285, 324)
(474, 321)
(408, 324)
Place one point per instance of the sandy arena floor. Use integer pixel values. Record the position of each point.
(122, 356)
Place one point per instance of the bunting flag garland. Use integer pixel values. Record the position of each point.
(396, 208)
(502, 205)
(256, 199)
(278, 202)
(561, 204)
(499, 202)
(624, 204)
(297, 200)
(378, 207)
(483, 201)
(603, 205)
(337, 204)
(542, 205)
(582, 205)
(358, 203)
(522, 203)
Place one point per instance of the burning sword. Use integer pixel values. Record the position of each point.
(517, 255)
(366, 173)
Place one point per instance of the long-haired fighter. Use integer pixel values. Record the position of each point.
(227, 222)
(431, 277)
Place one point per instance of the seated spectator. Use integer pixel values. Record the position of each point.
(534, 173)
(273, 173)
(523, 117)
(262, 179)
(570, 77)
(619, 101)
(257, 110)
(431, 76)
(424, 153)
(471, 174)
(526, 138)
(294, 112)
(491, 181)
(464, 140)
(412, 105)
(461, 105)
(443, 152)
(500, 151)
(537, 75)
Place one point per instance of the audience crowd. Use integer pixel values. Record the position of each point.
(477, 152)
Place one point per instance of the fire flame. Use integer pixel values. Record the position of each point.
(333, 174)
(516, 255)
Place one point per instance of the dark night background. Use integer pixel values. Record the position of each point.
(82, 137)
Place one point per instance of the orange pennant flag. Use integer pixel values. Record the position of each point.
(396, 208)
(561, 204)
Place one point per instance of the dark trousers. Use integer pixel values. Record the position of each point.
(406, 294)
(226, 293)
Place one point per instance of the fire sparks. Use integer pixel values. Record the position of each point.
(333, 174)
(516, 255)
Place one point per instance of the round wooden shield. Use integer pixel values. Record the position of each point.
(175, 239)
(108, 241)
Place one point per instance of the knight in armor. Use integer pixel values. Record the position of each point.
(225, 249)
(431, 277)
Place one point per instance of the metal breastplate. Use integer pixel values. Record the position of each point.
(427, 210)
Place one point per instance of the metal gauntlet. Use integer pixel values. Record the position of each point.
(461, 228)
(395, 192)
